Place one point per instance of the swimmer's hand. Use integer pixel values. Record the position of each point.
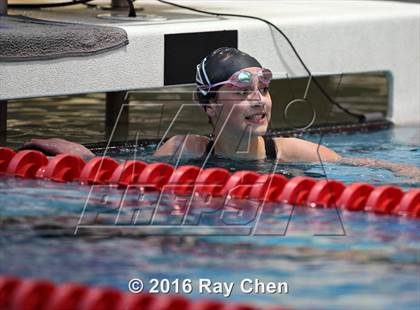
(59, 146)
(399, 169)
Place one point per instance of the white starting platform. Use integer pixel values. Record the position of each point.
(332, 37)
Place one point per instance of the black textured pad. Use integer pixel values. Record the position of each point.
(23, 38)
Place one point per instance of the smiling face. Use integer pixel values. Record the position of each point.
(245, 109)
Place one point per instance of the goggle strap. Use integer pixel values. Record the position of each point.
(204, 71)
(203, 91)
(198, 78)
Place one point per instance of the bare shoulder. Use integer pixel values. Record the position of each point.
(294, 149)
(188, 145)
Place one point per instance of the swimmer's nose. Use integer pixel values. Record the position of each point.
(255, 99)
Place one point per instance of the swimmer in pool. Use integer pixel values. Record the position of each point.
(233, 90)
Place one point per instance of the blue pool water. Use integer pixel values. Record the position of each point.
(330, 260)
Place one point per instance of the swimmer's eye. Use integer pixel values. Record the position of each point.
(264, 90)
(243, 92)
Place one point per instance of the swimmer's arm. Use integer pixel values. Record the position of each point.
(190, 146)
(170, 147)
(298, 150)
(59, 146)
(398, 169)
(293, 150)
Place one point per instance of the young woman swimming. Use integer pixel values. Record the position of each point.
(233, 90)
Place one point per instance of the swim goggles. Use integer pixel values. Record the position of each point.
(243, 79)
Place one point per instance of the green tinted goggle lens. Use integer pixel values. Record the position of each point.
(245, 77)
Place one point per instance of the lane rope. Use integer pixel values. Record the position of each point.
(35, 294)
(218, 182)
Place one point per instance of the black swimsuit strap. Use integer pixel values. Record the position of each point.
(270, 148)
(209, 146)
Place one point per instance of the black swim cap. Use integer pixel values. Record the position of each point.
(220, 65)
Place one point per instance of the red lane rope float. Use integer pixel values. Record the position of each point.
(384, 199)
(127, 172)
(302, 191)
(6, 156)
(325, 193)
(36, 294)
(25, 164)
(170, 302)
(409, 204)
(240, 183)
(183, 179)
(98, 170)
(155, 175)
(416, 211)
(208, 305)
(136, 301)
(66, 296)
(354, 196)
(31, 294)
(8, 286)
(100, 298)
(297, 190)
(62, 168)
(212, 181)
(268, 187)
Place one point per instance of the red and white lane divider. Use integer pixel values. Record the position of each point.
(37, 294)
(300, 191)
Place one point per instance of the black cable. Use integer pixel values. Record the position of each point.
(360, 117)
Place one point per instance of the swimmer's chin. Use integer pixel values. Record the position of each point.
(257, 131)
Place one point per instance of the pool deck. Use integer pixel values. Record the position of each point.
(331, 36)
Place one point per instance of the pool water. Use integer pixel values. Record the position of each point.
(330, 259)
